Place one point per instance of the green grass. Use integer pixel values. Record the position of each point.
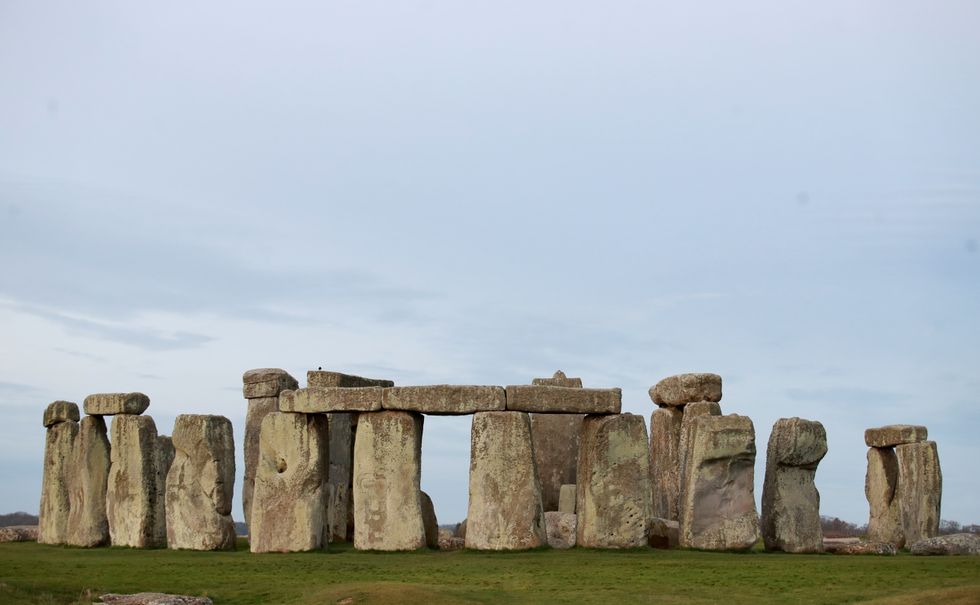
(33, 573)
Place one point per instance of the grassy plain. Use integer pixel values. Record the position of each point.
(38, 574)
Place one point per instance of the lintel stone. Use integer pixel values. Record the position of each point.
(60, 411)
(109, 404)
(563, 400)
(895, 434)
(315, 400)
(324, 378)
(445, 399)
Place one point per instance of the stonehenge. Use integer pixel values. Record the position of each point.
(133, 502)
(556, 442)
(903, 484)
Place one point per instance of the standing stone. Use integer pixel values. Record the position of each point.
(790, 500)
(59, 444)
(920, 490)
(430, 522)
(387, 476)
(556, 441)
(692, 412)
(665, 469)
(561, 528)
(132, 498)
(613, 484)
(340, 476)
(718, 502)
(87, 485)
(261, 388)
(200, 484)
(290, 496)
(566, 501)
(880, 485)
(165, 454)
(505, 511)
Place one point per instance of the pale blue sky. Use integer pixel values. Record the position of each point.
(785, 193)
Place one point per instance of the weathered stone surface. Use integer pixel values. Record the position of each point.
(692, 412)
(613, 485)
(447, 541)
(556, 440)
(132, 498)
(717, 510)
(561, 529)
(566, 499)
(665, 465)
(686, 388)
(200, 484)
(559, 380)
(429, 522)
(165, 454)
(88, 482)
(664, 533)
(19, 533)
(953, 544)
(109, 404)
(289, 502)
(563, 400)
(895, 434)
(323, 378)
(860, 548)
(880, 483)
(790, 500)
(153, 598)
(505, 511)
(60, 411)
(461, 529)
(445, 399)
(258, 409)
(59, 444)
(340, 477)
(316, 400)
(920, 490)
(267, 382)
(387, 476)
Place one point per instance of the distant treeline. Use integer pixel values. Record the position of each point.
(17, 519)
(838, 528)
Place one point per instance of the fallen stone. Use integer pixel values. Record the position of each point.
(340, 477)
(19, 533)
(613, 485)
(60, 411)
(317, 400)
(563, 400)
(109, 404)
(445, 399)
(790, 500)
(387, 477)
(895, 434)
(952, 544)
(559, 380)
(664, 533)
(267, 382)
(505, 511)
(665, 466)
(258, 409)
(429, 522)
(132, 497)
(919, 491)
(323, 379)
(59, 445)
(860, 548)
(88, 482)
(556, 440)
(200, 484)
(686, 388)
(153, 598)
(566, 501)
(692, 412)
(451, 543)
(717, 510)
(560, 529)
(289, 502)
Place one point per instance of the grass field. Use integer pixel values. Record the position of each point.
(33, 573)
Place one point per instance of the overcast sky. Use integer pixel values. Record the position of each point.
(785, 193)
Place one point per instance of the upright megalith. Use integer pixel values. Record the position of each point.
(290, 495)
(717, 510)
(566, 499)
(880, 483)
(132, 498)
(340, 476)
(200, 484)
(790, 500)
(665, 466)
(613, 482)
(88, 482)
(429, 521)
(61, 420)
(387, 478)
(261, 388)
(505, 511)
(920, 490)
(164, 454)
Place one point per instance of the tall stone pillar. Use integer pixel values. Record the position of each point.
(556, 440)
(132, 499)
(261, 388)
(387, 481)
(61, 422)
(505, 511)
(920, 490)
(88, 524)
